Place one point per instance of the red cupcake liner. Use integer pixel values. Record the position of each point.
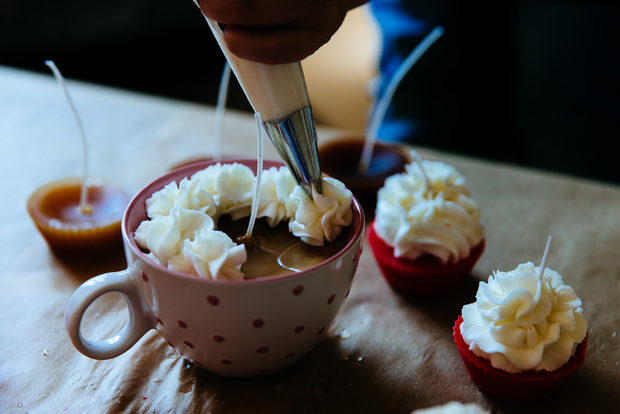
(424, 276)
(520, 387)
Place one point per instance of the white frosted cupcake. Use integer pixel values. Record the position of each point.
(523, 336)
(427, 235)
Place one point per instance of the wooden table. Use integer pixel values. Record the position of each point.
(384, 354)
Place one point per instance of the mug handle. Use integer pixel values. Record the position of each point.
(139, 322)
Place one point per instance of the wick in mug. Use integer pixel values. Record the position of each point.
(218, 121)
(247, 239)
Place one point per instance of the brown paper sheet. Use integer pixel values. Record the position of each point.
(385, 353)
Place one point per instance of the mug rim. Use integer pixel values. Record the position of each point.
(357, 225)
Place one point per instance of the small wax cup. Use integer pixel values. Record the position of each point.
(69, 229)
(340, 159)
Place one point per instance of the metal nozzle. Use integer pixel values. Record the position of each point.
(294, 137)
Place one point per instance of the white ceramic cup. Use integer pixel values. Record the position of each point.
(232, 328)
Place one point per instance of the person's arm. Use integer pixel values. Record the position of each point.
(277, 31)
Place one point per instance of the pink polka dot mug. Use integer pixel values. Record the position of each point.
(232, 328)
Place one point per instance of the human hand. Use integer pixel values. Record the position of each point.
(277, 31)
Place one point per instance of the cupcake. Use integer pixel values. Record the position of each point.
(428, 232)
(523, 336)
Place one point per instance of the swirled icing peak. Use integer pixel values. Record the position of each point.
(520, 323)
(182, 234)
(416, 219)
(275, 190)
(322, 217)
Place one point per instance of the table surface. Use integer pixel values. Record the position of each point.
(385, 353)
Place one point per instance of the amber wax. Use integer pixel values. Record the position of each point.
(69, 228)
(340, 159)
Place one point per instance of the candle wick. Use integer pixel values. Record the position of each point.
(418, 160)
(84, 207)
(259, 175)
(219, 111)
(543, 263)
(383, 103)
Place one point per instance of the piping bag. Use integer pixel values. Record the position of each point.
(279, 94)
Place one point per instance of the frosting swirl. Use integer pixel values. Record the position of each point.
(442, 220)
(210, 254)
(275, 189)
(182, 231)
(231, 187)
(322, 217)
(520, 323)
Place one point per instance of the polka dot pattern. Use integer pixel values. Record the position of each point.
(256, 328)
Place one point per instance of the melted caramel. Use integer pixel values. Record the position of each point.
(61, 206)
(275, 251)
(340, 159)
(67, 228)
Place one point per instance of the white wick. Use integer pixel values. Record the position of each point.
(384, 102)
(543, 263)
(418, 160)
(84, 207)
(222, 94)
(259, 174)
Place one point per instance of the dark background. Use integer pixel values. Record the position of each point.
(540, 87)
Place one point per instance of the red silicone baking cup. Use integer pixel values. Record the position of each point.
(425, 276)
(521, 387)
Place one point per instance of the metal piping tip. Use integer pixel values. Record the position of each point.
(294, 137)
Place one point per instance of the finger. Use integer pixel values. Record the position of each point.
(256, 12)
(273, 45)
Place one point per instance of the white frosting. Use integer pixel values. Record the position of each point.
(520, 323)
(181, 233)
(453, 407)
(231, 187)
(443, 220)
(322, 217)
(188, 194)
(211, 254)
(275, 191)
(163, 235)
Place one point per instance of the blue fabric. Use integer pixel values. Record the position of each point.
(399, 30)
